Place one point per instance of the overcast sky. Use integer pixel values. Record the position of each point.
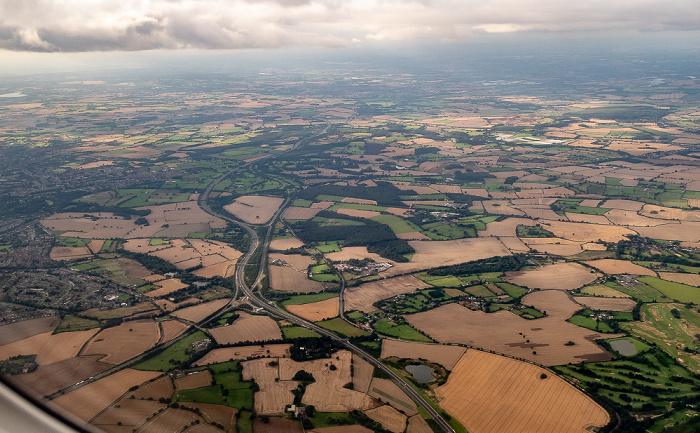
(129, 25)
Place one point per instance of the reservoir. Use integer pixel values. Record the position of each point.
(422, 373)
(624, 347)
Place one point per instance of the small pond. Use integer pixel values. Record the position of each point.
(422, 373)
(624, 347)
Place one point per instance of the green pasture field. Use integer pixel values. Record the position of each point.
(404, 332)
(396, 224)
(640, 292)
(292, 332)
(72, 242)
(117, 312)
(584, 321)
(176, 352)
(679, 292)
(340, 326)
(512, 290)
(479, 291)
(74, 323)
(300, 202)
(328, 247)
(307, 299)
(158, 241)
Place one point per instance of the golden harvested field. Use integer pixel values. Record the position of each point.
(669, 213)
(505, 227)
(285, 244)
(276, 425)
(539, 212)
(348, 253)
(247, 328)
(129, 413)
(357, 201)
(363, 296)
(50, 378)
(316, 311)
(556, 246)
(222, 269)
(168, 421)
(629, 218)
(203, 428)
(172, 306)
(107, 225)
(447, 356)
(69, 253)
(688, 231)
(430, 254)
(416, 424)
(273, 395)
(413, 236)
(501, 207)
(504, 332)
(341, 429)
(300, 213)
(95, 246)
(362, 374)
(560, 276)
(193, 380)
(358, 213)
(187, 253)
(200, 311)
(514, 244)
(606, 304)
(49, 348)
(604, 291)
(289, 273)
(254, 209)
(387, 391)
(586, 218)
(623, 205)
(27, 328)
(185, 217)
(170, 329)
(689, 279)
(224, 415)
(614, 267)
(327, 393)
(488, 393)
(159, 388)
(584, 232)
(123, 342)
(166, 287)
(244, 352)
(388, 417)
(91, 399)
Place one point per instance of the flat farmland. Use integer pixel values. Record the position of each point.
(166, 287)
(50, 378)
(170, 329)
(27, 328)
(606, 304)
(387, 391)
(244, 352)
(224, 415)
(193, 380)
(358, 213)
(416, 424)
(615, 267)
(584, 232)
(69, 253)
(488, 393)
(628, 218)
(388, 417)
(362, 374)
(86, 402)
(187, 253)
(274, 394)
(541, 340)
(341, 429)
(254, 209)
(123, 342)
(447, 356)
(159, 388)
(285, 244)
(603, 291)
(363, 296)
(299, 213)
(431, 254)
(348, 253)
(200, 311)
(290, 273)
(247, 327)
(276, 425)
(688, 231)
(316, 311)
(560, 276)
(327, 393)
(688, 279)
(556, 246)
(127, 413)
(169, 421)
(49, 347)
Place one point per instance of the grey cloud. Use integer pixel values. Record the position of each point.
(79, 25)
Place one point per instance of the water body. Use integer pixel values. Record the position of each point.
(624, 347)
(422, 373)
(12, 95)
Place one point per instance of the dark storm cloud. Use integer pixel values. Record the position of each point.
(87, 25)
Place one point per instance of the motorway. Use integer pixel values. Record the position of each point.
(273, 310)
